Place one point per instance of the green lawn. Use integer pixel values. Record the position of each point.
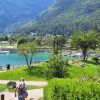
(2, 87)
(90, 69)
(29, 87)
(16, 74)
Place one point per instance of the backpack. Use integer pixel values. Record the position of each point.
(25, 94)
(21, 89)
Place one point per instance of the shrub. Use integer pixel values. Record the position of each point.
(69, 89)
(57, 67)
(96, 59)
(41, 69)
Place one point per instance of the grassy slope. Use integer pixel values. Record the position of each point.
(90, 69)
(17, 73)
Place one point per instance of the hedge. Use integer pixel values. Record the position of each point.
(70, 89)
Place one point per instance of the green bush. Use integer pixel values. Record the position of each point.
(57, 67)
(69, 89)
(96, 59)
(41, 69)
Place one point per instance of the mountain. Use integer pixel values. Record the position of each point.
(63, 17)
(12, 11)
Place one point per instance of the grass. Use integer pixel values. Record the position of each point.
(90, 69)
(2, 87)
(29, 87)
(16, 74)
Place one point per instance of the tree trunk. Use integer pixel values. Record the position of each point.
(84, 55)
(26, 58)
(31, 58)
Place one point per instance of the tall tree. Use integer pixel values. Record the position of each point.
(98, 38)
(56, 42)
(28, 50)
(84, 41)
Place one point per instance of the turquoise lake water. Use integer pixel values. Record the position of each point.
(15, 58)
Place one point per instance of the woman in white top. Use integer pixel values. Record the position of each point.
(21, 90)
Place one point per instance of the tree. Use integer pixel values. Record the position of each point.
(22, 40)
(38, 41)
(48, 40)
(1, 38)
(6, 38)
(56, 42)
(84, 41)
(28, 50)
(98, 39)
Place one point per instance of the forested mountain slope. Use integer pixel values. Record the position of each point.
(12, 11)
(63, 17)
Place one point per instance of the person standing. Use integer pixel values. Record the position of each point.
(21, 90)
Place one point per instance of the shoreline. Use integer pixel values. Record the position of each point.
(14, 48)
(8, 48)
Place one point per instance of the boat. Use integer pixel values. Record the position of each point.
(4, 52)
(76, 54)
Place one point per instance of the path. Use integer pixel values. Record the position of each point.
(35, 83)
(35, 94)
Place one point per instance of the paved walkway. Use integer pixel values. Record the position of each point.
(35, 94)
(32, 94)
(35, 83)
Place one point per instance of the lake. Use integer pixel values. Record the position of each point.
(15, 58)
